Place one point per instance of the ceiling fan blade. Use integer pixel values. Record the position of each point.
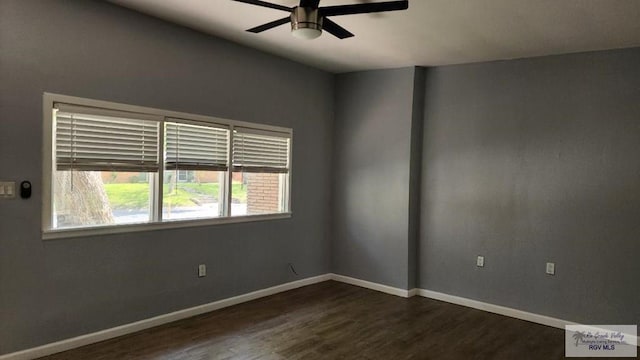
(364, 8)
(335, 29)
(265, 4)
(310, 3)
(270, 25)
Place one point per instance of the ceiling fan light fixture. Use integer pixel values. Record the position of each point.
(306, 33)
(306, 23)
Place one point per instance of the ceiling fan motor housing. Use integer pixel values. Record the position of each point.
(305, 18)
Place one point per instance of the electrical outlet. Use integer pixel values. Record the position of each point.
(202, 270)
(480, 261)
(551, 268)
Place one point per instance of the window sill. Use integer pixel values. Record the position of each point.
(119, 229)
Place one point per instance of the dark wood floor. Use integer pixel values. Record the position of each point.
(332, 320)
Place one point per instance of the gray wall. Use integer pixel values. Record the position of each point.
(372, 163)
(51, 290)
(530, 161)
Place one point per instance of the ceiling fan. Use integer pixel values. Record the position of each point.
(308, 20)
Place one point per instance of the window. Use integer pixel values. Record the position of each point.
(261, 161)
(183, 175)
(113, 165)
(196, 160)
(99, 156)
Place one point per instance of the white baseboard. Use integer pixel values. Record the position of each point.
(506, 311)
(496, 309)
(87, 339)
(373, 286)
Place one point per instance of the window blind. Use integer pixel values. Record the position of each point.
(194, 147)
(94, 139)
(260, 151)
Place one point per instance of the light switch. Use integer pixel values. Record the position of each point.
(480, 261)
(7, 189)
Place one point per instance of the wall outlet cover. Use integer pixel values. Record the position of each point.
(551, 268)
(480, 261)
(202, 270)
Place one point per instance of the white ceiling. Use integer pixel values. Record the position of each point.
(431, 32)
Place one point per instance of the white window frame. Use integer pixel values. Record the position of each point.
(48, 232)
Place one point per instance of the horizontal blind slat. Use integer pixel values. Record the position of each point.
(121, 145)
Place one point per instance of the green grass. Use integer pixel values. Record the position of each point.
(128, 196)
(136, 195)
(239, 192)
(178, 197)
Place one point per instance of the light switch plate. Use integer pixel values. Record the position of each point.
(202, 270)
(480, 261)
(7, 189)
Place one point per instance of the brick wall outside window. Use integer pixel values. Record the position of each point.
(262, 193)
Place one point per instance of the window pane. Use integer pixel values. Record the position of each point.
(258, 193)
(90, 198)
(192, 194)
